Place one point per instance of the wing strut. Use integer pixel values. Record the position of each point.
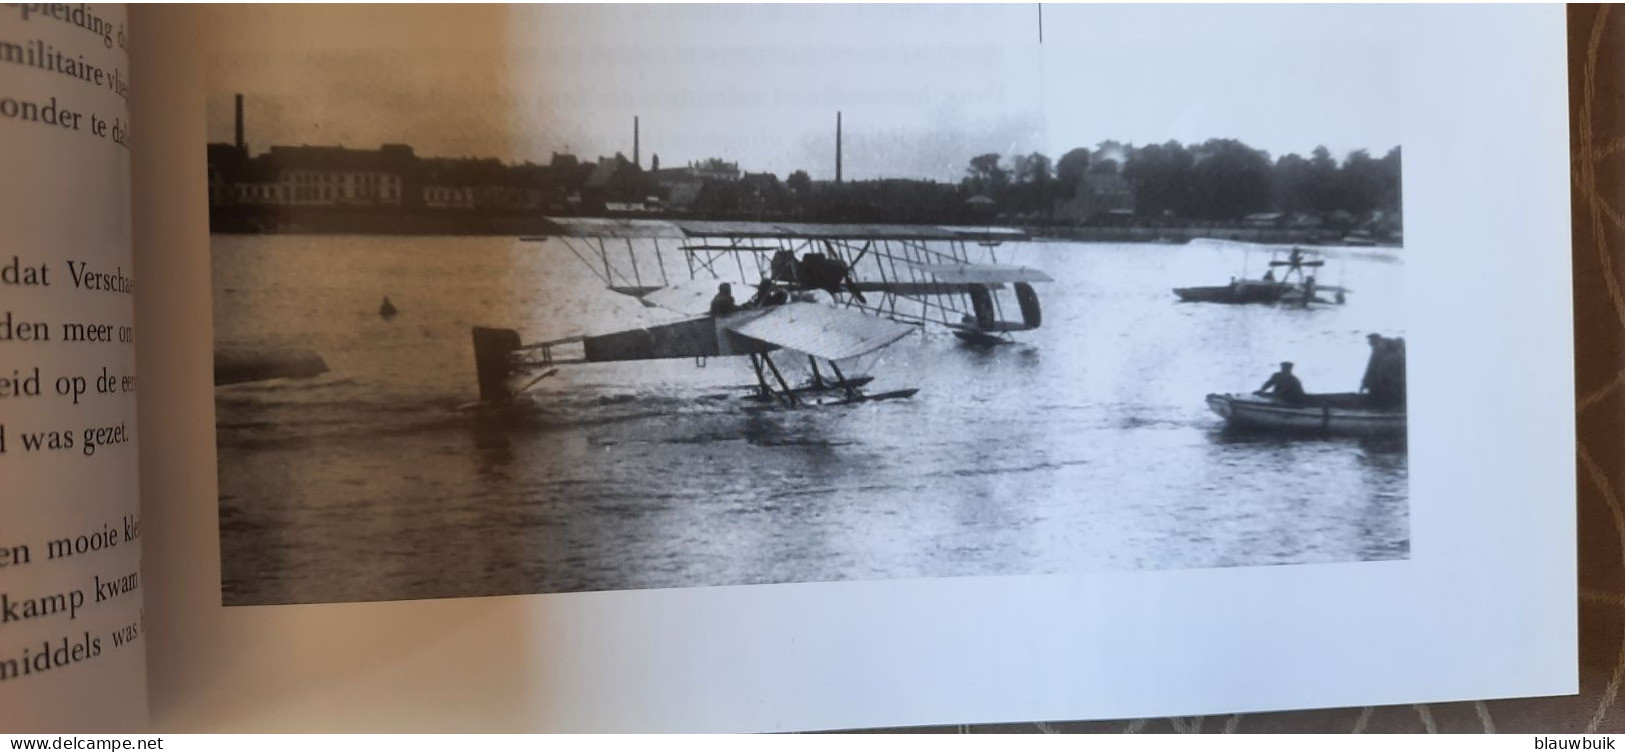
(785, 394)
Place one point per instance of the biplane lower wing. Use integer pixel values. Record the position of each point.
(690, 298)
(915, 289)
(818, 330)
(692, 338)
(822, 331)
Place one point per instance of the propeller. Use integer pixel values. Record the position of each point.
(852, 287)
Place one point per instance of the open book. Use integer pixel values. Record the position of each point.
(748, 368)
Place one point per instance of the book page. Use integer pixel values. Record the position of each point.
(72, 653)
(763, 368)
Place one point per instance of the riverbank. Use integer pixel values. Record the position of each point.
(328, 221)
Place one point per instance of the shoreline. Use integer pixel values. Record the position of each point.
(460, 225)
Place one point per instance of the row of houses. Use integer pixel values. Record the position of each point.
(394, 177)
(388, 177)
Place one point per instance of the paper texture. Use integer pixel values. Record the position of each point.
(1474, 578)
(72, 650)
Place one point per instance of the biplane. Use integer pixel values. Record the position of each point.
(1297, 284)
(827, 293)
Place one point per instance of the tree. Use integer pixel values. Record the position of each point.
(985, 174)
(1360, 183)
(799, 182)
(1033, 184)
(1322, 185)
(1389, 194)
(1392, 181)
(1113, 150)
(1069, 172)
(1161, 177)
(1229, 180)
(1292, 187)
(718, 199)
(1032, 169)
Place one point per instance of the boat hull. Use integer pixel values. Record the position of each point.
(1245, 292)
(1324, 414)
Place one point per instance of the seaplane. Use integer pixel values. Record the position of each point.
(823, 294)
(1295, 286)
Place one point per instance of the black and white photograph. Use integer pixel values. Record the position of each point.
(704, 296)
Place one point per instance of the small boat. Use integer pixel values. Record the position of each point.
(1345, 414)
(1359, 238)
(1239, 291)
(1294, 287)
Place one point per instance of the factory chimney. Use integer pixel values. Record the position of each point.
(837, 146)
(242, 147)
(635, 142)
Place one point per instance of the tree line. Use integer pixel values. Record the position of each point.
(1217, 180)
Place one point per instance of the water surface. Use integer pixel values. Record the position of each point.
(1086, 447)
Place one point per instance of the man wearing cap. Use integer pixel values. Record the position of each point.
(1287, 388)
(723, 304)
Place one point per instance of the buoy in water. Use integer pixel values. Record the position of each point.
(387, 310)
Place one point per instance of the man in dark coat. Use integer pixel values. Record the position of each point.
(1284, 386)
(723, 304)
(1384, 377)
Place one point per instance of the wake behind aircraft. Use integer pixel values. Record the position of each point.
(825, 292)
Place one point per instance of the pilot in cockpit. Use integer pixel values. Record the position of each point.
(768, 294)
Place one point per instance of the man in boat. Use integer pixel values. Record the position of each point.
(1371, 382)
(1393, 366)
(1284, 386)
(723, 304)
(1384, 377)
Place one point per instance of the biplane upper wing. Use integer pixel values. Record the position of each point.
(823, 331)
(989, 274)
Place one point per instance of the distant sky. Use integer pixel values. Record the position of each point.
(922, 88)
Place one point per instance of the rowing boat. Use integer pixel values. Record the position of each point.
(1344, 414)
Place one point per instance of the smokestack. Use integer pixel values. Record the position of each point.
(837, 146)
(635, 141)
(242, 147)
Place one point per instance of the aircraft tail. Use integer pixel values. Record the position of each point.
(987, 313)
(493, 362)
(1031, 314)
